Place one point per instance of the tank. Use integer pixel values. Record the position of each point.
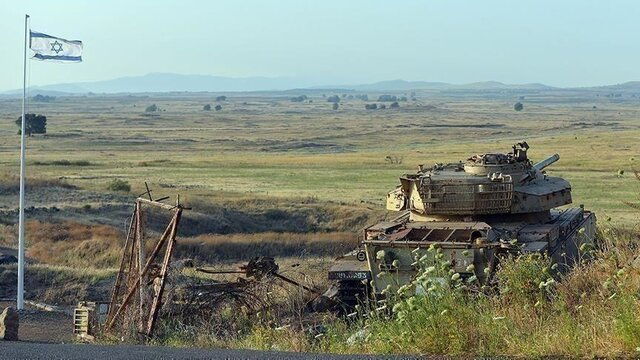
(477, 211)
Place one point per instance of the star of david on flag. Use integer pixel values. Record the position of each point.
(47, 47)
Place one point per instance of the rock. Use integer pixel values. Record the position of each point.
(358, 337)
(8, 259)
(9, 323)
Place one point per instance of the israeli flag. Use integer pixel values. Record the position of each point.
(48, 47)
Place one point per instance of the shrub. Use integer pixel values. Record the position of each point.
(36, 124)
(387, 98)
(370, 106)
(151, 108)
(43, 98)
(119, 185)
(221, 98)
(394, 105)
(333, 99)
(518, 106)
(300, 98)
(207, 107)
(218, 107)
(394, 159)
(335, 106)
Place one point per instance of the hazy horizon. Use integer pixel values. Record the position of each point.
(565, 44)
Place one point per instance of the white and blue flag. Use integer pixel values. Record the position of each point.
(47, 47)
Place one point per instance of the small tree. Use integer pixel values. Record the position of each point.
(335, 106)
(218, 107)
(43, 98)
(333, 99)
(207, 107)
(518, 106)
(151, 108)
(36, 124)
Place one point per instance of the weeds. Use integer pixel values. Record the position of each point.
(64, 162)
(590, 311)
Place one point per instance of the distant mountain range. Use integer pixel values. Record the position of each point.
(164, 82)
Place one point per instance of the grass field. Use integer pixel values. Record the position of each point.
(270, 146)
(292, 180)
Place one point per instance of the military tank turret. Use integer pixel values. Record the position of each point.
(476, 211)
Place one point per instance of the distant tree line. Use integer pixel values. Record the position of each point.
(300, 98)
(390, 98)
(374, 106)
(43, 98)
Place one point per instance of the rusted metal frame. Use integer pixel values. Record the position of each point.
(153, 315)
(157, 204)
(207, 271)
(449, 236)
(132, 290)
(448, 245)
(119, 278)
(141, 258)
(293, 282)
(428, 234)
(148, 190)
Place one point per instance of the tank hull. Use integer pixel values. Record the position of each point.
(391, 249)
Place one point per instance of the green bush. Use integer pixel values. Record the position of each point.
(119, 185)
(526, 279)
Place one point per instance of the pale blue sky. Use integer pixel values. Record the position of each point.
(562, 43)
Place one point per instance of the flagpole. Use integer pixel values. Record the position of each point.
(20, 296)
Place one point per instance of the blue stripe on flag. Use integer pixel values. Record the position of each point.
(61, 57)
(41, 35)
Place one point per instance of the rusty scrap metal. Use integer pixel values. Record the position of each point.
(259, 268)
(143, 275)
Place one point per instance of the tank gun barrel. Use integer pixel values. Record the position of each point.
(546, 162)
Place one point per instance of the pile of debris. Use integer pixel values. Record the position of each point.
(147, 286)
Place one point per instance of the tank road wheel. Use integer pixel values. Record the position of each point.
(342, 296)
(351, 293)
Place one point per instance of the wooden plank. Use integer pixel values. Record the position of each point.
(155, 306)
(141, 257)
